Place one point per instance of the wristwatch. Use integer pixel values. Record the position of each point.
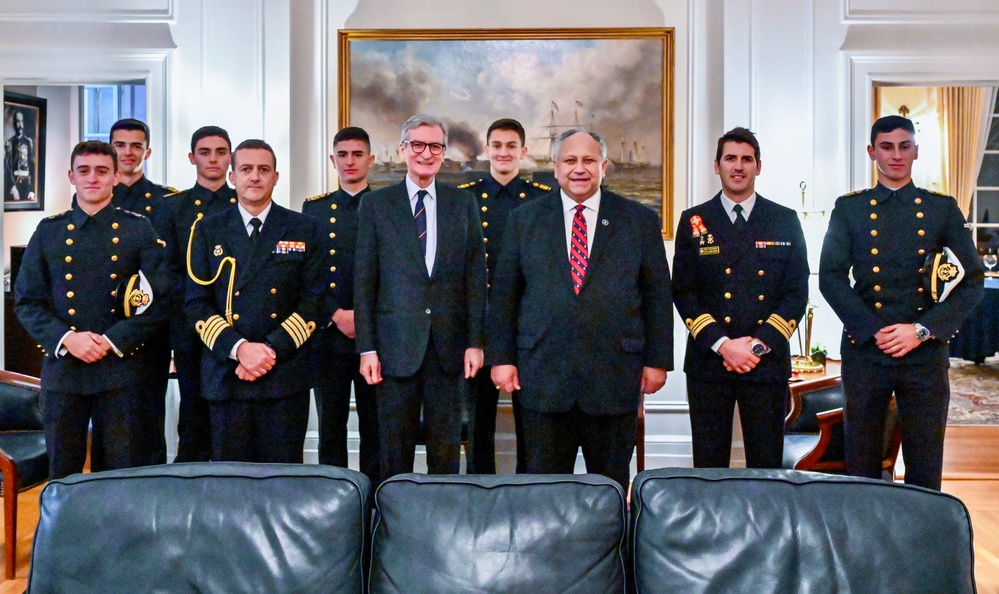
(922, 332)
(758, 349)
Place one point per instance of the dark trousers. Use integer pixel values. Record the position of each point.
(399, 402)
(922, 393)
(260, 430)
(152, 389)
(552, 439)
(194, 428)
(483, 400)
(332, 388)
(762, 407)
(116, 416)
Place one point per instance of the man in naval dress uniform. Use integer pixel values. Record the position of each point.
(499, 193)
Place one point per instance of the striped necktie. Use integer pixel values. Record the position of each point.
(579, 252)
(421, 220)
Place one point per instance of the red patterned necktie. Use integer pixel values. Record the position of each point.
(578, 252)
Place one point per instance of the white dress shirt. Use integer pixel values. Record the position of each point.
(430, 204)
(569, 205)
(247, 217)
(747, 206)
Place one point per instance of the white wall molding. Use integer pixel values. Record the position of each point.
(920, 11)
(94, 11)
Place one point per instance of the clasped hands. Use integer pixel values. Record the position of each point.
(255, 360)
(738, 354)
(897, 340)
(86, 346)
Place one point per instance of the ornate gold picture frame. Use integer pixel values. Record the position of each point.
(617, 83)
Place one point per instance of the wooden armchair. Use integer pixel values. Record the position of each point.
(813, 430)
(23, 460)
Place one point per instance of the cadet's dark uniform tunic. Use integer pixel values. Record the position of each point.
(180, 211)
(496, 201)
(146, 198)
(883, 237)
(336, 362)
(731, 283)
(68, 282)
(278, 300)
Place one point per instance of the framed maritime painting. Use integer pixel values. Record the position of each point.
(617, 83)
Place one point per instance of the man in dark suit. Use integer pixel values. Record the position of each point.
(419, 298)
(130, 139)
(498, 194)
(881, 247)
(740, 281)
(211, 154)
(255, 321)
(334, 351)
(580, 316)
(81, 293)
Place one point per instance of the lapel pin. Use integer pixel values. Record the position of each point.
(218, 251)
(604, 222)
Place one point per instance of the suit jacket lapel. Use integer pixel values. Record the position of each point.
(722, 231)
(401, 215)
(554, 243)
(260, 253)
(447, 226)
(239, 244)
(605, 226)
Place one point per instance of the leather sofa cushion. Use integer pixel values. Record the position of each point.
(738, 530)
(476, 533)
(203, 527)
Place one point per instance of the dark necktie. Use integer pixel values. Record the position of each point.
(740, 219)
(255, 234)
(421, 220)
(579, 251)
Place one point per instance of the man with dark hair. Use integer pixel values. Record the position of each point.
(740, 281)
(134, 192)
(211, 157)
(498, 194)
(255, 296)
(420, 299)
(582, 332)
(92, 290)
(336, 361)
(887, 252)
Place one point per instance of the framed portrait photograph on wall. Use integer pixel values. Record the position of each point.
(24, 152)
(617, 83)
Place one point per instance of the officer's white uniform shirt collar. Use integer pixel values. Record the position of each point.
(246, 216)
(430, 204)
(592, 207)
(729, 204)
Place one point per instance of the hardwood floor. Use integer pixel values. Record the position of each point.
(971, 473)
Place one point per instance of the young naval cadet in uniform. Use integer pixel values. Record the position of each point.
(889, 253)
(211, 156)
(499, 193)
(134, 192)
(740, 281)
(255, 295)
(92, 292)
(336, 361)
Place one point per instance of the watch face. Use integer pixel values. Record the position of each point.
(922, 333)
(758, 349)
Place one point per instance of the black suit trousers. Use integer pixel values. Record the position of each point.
(553, 439)
(260, 430)
(399, 401)
(922, 393)
(194, 428)
(762, 407)
(338, 372)
(483, 402)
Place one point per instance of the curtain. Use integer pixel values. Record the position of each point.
(967, 114)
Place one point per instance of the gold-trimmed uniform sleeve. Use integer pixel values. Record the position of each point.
(785, 327)
(298, 329)
(210, 329)
(699, 323)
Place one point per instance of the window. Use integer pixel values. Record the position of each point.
(103, 105)
(984, 216)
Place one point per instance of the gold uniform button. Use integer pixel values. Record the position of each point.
(114, 293)
(72, 312)
(874, 216)
(728, 271)
(197, 203)
(919, 200)
(485, 195)
(69, 277)
(333, 206)
(69, 242)
(114, 258)
(759, 322)
(920, 290)
(919, 215)
(874, 251)
(114, 276)
(921, 252)
(148, 195)
(70, 226)
(73, 328)
(332, 268)
(728, 319)
(919, 309)
(236, 294)
(332, 235)
(232, 201)
(523, 195)
(921, 271)
(332, 219)
(877, 287)
(273, 291)
(920, 233)
(487, 255)
(69, 259)
(877, 305)
(728, 295)
(876, 269)
(874, 232)
(760, 273)
(874, 202)
(114, 225)
(761, 297)
(485, 224)
(273, 315)
(70, 295)
(485, 240)
(149, 209)
(115, 240)
(235, 317)
(485, 209)
(332, 252)
(332, 285)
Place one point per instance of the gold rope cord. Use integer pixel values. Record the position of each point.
(232, 276)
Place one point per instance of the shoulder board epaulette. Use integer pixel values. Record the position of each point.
(541, 186)
(316, 197)
(469, 184)
(134, 214)
(935, 193)
(58, 215)
(855, 193)
(175, 193)
(170, 189)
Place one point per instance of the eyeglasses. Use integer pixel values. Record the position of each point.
(418, 146)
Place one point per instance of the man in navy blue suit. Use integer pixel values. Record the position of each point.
(580, 316)
(419, 302)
